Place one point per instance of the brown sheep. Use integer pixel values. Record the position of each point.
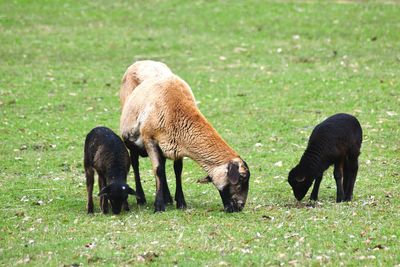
(161, 119)
(135, 75)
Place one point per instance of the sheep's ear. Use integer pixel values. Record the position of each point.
(130, 191)
(296, 175)
(233, 172)
(105, 191)
(300, 179)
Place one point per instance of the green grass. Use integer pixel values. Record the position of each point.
(264, 72)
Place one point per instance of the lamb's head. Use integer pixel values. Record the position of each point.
(232, 181)
(117, 193)
(300, 182)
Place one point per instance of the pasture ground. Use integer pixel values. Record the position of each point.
(264, 73)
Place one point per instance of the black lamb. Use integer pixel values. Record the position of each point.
(106, 153)
(337, 140)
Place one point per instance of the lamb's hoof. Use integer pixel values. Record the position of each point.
(310, 204)
(90, 210)
(231, 208)
(181, 205)
(347, 199)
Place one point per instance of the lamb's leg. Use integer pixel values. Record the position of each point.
(89, 188)
(314, 193)
(158, 162)
(338, 174)
(346, 181)
(179, 197)
(141, 199)
(125, 205)
(103, 199)
(351, 173)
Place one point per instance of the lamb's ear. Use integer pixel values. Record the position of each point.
(294, 174)
(105, 191)
(233, 172)
(130, 191)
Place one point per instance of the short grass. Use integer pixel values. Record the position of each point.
(264, 72)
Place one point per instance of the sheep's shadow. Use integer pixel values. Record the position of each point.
(134, 208)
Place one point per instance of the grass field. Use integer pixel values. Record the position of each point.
(264, 73)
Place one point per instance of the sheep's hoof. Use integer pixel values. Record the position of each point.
(90, 209)
(231, 208)
(181, 205)
(141, 201)
(347, 199)
(168, 200)
(159, 207)
(338, 200)
(311, 204)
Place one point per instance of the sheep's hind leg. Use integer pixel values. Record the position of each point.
(141, 198)
(179, 197)
(158, 162)
(338, 174)
(346, 181)
(89, 188)
(351, 173)
(314, 193)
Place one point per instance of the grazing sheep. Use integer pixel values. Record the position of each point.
(135, 75)
(161, 119)
(105, 152)
(337, 141)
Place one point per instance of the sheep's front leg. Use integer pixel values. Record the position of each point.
(89, 188)
(125, 205)
(103, 199)
(314, 193)
(179, 197)
(338, 174)
(141, 199)
(158, 162)
(167, 193)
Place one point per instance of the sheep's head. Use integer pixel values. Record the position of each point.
(117, 193)
(299, 182)
(232, 182)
